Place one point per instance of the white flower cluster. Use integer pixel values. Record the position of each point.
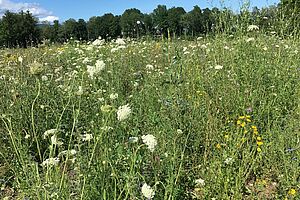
(50, 162)
(252, 28)
(123, 112)
(147, 191)
(94, 70)
(150, 141)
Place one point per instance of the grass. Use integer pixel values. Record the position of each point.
(224, 112)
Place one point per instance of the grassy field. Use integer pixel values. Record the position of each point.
(212, 118)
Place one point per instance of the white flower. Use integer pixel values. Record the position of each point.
(100, 65)
(50, 132)
(80, 91)
(50, 162)
(179, 131)
(252, 28)
(218, 67)
(250, 39)
(87, 137)
(147, 191)
(123, 112)
(149, 67)
(20, 59)
(120, 41)
(229, 161)
(200, 182)
(55, 141)
(113, 96)
(98, 42)
(106, 128)
(133, 139)
(94, 70)
(44, 78)
(150, 141)
(73, 151)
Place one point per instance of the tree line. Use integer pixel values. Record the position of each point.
(22, 29)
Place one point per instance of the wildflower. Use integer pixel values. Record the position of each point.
(258, 149)
(149, 67)
(50, 162)
(200, 182)
(179, 131)
(106, 108)
(94, 70)
(218, 146)
(100, 65)
(123, 112)
(87, 137)
(218, 67)
(73, 152)
(133, 139)
(150, 141)
(259, 143)
(20, 59)
(292, 192)
(98, 42)
(106, 128)
(44, 78)
(249, 39)
(252, 28)
(147, 191)
(49, 132)
(55, 141)
(120, 41)
(35, 68)
(113, 96)
(80, 91)
(229, 161)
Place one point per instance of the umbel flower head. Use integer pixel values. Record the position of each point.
(35, 68)
(150, 141)
(147, 191)
(123, 112)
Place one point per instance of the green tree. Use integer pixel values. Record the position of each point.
(174, 20)
(130, 22)
(160, 19)
(18, 29)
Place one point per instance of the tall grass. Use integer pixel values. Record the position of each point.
(224, 112)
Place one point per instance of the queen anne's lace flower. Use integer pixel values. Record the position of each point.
(123, 112)
(147, 191)
(150, 141)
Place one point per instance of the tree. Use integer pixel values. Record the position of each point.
(81, 30)
(130, 22)
(160, 19)
(18, 29)
(174, 18)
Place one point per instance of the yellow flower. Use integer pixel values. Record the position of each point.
(218, 146)
(292, 192)
(241, 117)
(258, 138)
(226, 137)
(243, 124)
(259, 143)
(258, 149)
(238, 122)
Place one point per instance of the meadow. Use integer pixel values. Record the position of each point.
(208, 118)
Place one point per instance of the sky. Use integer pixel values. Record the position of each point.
(50, 10)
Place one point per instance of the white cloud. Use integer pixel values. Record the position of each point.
(49, 18)
(34, 8)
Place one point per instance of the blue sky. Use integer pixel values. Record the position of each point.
(65, 9)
